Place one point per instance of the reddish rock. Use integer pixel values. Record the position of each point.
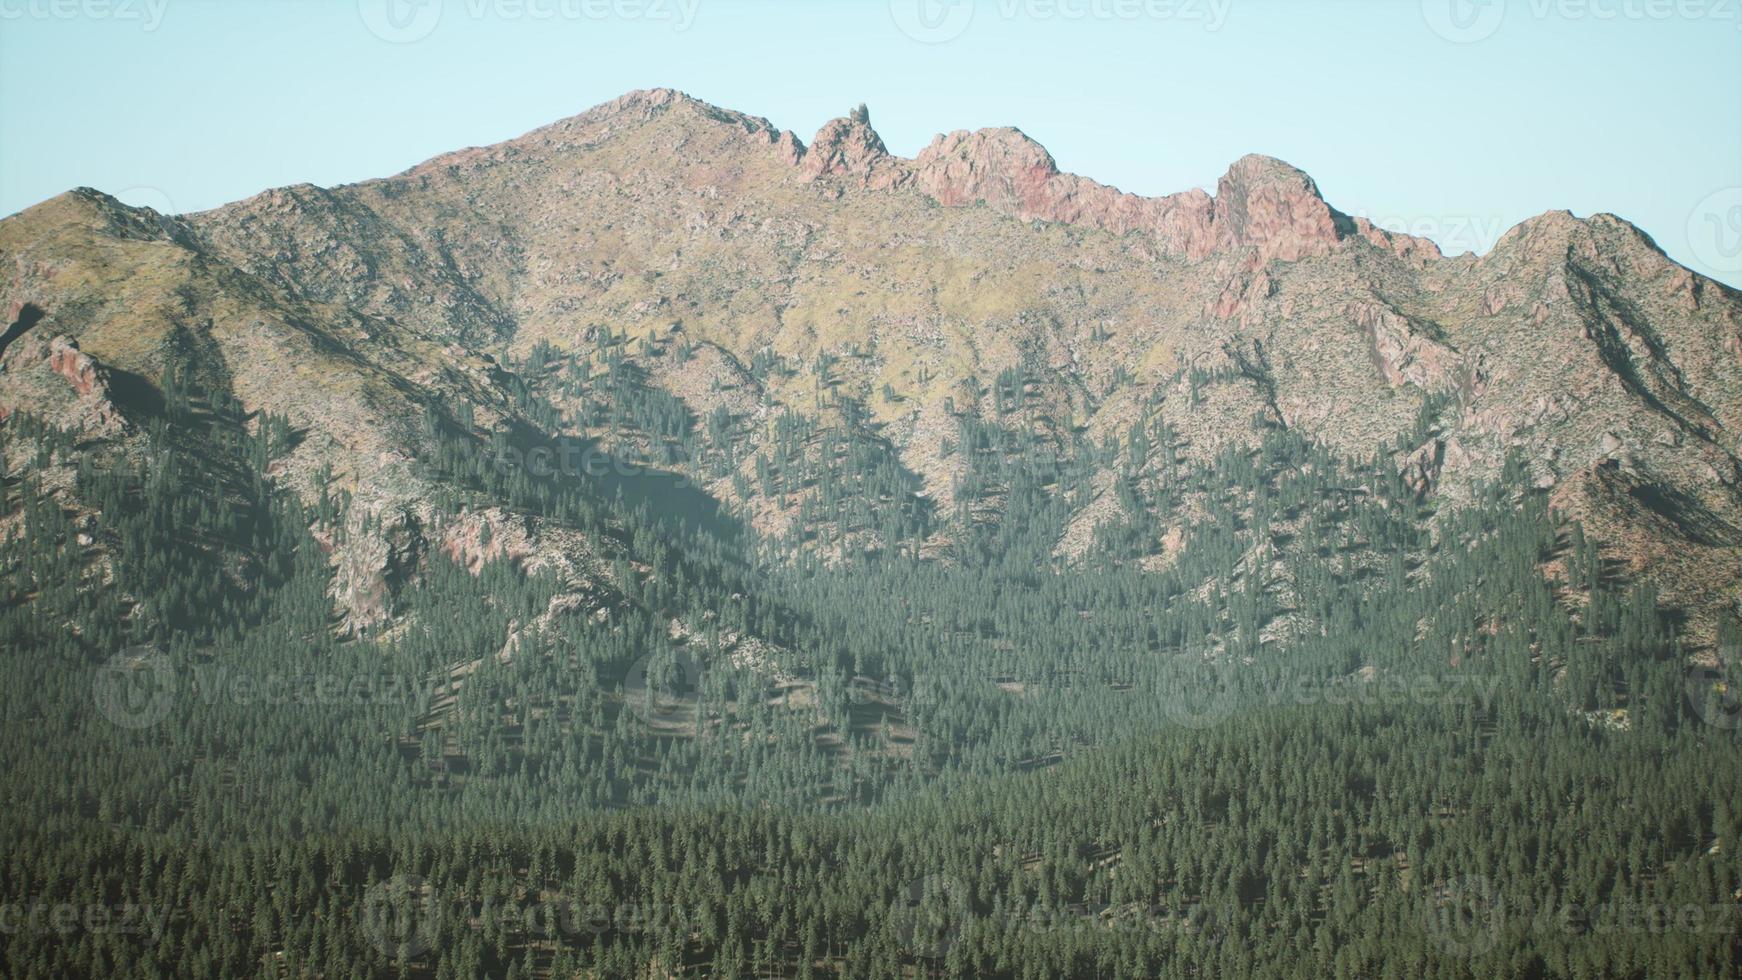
(477, 539)
(1401, 354)
(789, 147)
(1013, 174)
(1419, 251)
(849, 147)
(1242, 294)
(1002, 167)
(1685, 289)
(1498, 297)
(80, 370)
(1421, 469)
(1265, 203)
(1261, 202)
(89, 381)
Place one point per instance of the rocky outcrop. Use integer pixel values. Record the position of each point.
(80, 370)
(479, 537)
(1260, 202)
(1402, 352)
(806, 278)
(1417, 252)
(849, 147)
(1421, 469)
(1007, 171)
(1266, 204)
(59, 381)
(374, 558)
(1242, 294)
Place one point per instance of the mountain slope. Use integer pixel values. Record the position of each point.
(656, 546)
(756, 278)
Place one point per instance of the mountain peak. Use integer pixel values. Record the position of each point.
(635, 105)
(848, 146)
(1001, 153)
(657, 209)
(1261, 201)
(1267, 203)
(1257, 169)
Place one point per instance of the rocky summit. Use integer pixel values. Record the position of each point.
(755, 281)
(660, 546)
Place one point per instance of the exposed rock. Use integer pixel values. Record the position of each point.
(57, 380)
(1242, 294)
(1416, 251)
(376, 556)
(791, 150)
(1400, 351)
(1421, 468)
(1260, 202)
(1011, 173)
(66, 360)
(1498, 297)
(479, 537)
(354, 309)
(849, 147)
(1267, 204)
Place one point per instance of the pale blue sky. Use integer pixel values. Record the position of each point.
(1454, 118)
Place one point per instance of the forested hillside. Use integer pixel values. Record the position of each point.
(743, 764)
(659, 547)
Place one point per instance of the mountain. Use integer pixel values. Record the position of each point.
(771, 276)
(660, 546)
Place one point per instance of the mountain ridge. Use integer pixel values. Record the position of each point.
(890, 293)
(855, 126)
(1008, 141)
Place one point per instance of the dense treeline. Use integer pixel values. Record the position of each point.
(1298, 842)
(1331, 733)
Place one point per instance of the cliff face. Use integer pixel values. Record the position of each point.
(905, 287)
